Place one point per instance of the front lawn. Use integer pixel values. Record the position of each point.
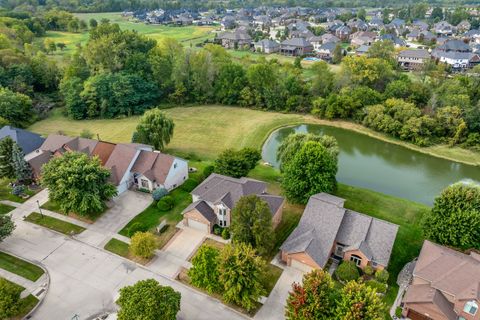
(25, 305)
(6, 192)
(5, 208)
(54, 224)
(118, 247)
(20, 267)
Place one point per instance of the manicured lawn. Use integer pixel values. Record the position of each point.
(20, 267)
(118, 247)
(6, 192)
(4, 208)
(25, 305)
(54, 224)
(272, 274)
(52, 206)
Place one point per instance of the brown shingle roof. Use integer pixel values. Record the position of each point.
(103, 150)
(423, 293)
(153, 165)
(119, 161)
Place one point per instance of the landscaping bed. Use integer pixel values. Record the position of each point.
(20, 267)
(54, 224)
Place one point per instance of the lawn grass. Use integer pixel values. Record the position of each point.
(20, 267)
(5, 208)
(55, 207)
(25, 305)
(6, 192)
(54, 224)
(118, 247)
(271, 276)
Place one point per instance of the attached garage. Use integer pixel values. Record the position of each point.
(300, 266)
(197, 225)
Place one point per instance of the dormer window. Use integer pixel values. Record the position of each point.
(471, 307)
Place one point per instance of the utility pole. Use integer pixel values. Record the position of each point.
(40, 209)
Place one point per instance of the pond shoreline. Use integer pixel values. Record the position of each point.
(351, 126)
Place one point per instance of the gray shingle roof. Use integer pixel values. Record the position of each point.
(274, 202)
(422, 54)
(204, 209)
(26, 140)
(325, 222)
(296, 42)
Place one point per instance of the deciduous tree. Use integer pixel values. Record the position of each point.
(143, 245)
(9, 299)
(155, 129)
(204, 272)
(359, 302)
(237, 163)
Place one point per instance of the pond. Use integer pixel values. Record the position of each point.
(381, 166)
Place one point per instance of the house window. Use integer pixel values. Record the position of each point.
(144, 183)
(222, 211)
(339, 251)
(356, 259)
(471, 307)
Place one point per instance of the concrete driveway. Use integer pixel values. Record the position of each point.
(274, 307)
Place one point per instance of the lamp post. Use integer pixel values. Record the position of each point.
(39, 208)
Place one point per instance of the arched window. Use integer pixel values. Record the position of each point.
(356, 259)
(471, 307)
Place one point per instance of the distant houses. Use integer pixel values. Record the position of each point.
(26, 140)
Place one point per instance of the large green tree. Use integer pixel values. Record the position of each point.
(6, 226)
(241, 272)
(15, 107)
(455, 217)
(155, 129)
(359, 302)
(310, 171)
(314, 298)
(6, 162)
(148, 300)
(78, 183)
(237, 163)
(252, 224)
(204, 272)
(9, 299)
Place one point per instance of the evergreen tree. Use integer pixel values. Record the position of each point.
(22, 169)
(6, 164)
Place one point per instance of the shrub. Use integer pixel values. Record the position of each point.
(368, 270)
(380, 287)
(136, 227)
(159, 193)
(226, 234)
(18, 190)
(165, 204)
(9, 299)
(207, 171)
(143, 245)
(217, 230)
(382, 275)
(189, 185)
(347, 271)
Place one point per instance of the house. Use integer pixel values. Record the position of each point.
(266, 46)
(296, 47)
(26, 140)
(228, 22)
(375, 23)
(328, 37)
(235, 39)
(316, 42)
(413, 59)
(327, 50)
(343, 32)
(396, 40)
(459, 61)
(215, 198)
(130, 164)
(463, 26)
(328, 230)
(445, 285)
(362, 50)
(453, 45)
(472, 35)
(420, 25)
(443, 28)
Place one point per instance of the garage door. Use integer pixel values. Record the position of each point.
(198, 225)
(300, 266)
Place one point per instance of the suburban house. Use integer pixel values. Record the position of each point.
(216, 196)
(26, 140)
(443, 28)
(130, 164)
(235, 39)
(267, 46)
(459, 61)
(328, 230)
(296, 47)
(445, 285)
(327, 50)
(413, 59)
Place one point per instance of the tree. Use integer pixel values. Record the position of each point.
(455, 217)
(241, 272)
(204, 272)
(313, 299)
(252, 224)
(78, 183)
(437, 14)
(6, 161)
(93, 23)
(9, 299)
(358, 302)
(347, 271)
(155, 129)
(15, 107)
(323, 80)
(6, 226)
(143, 244)
(311, 170)
(229, 83)
(50, 45)
(294, 142)
(237, 163)
(148, 300)
(337, 54)
(23, 171)
(61, 46)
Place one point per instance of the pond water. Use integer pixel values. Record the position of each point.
(381, 166)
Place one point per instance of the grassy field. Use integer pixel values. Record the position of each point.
(54, 224)
(208, 130)
(20, 267)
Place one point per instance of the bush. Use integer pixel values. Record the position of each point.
(136, 227)
(18, 190)
(207, 171)
(143, 244)
(382, 276)
(159, 193)
(165, 204)
(380, 287)
(217, 230)
(347, 271)
(226, 234)
(9, 299)
(368, 270)
(189, 185)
